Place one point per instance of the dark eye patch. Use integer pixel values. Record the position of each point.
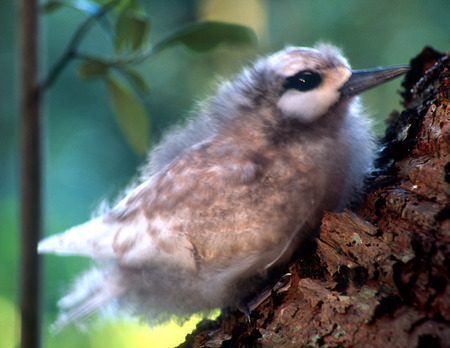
(303, 81)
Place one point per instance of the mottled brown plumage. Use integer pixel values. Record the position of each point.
(230, 195)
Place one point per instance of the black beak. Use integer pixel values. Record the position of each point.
(360, 80)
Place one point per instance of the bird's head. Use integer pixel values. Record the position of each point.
(303, 83)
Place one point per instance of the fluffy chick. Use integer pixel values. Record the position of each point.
(231, 194)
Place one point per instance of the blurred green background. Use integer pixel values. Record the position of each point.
(87, 158)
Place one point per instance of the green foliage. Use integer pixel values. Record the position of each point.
(92, 69)
(206, 36)
(130, 41)
(136, 80)
(131, 31)
(130, 114)
(51, 6)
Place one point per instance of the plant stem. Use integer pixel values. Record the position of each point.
(118, 62)
(70, 52)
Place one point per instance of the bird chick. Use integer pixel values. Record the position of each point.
(232, 194)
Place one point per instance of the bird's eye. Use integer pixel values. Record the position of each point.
(303, 81)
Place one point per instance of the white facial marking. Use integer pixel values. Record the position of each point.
(309, 106)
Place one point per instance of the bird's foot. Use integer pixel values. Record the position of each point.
(247, 307)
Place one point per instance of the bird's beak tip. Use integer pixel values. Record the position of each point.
(361, 80)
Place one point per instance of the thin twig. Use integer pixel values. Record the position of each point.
(117, 62)
(70, 52)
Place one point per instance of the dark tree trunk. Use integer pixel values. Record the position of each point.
(378, 277)
(29, 104)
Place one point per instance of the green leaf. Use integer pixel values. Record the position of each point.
(91, 69)
(51, 6)
(136, 79)
(132, 28)
(205, 36)
(130, 114)
(129, 4)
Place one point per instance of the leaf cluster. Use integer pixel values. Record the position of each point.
(127, 26)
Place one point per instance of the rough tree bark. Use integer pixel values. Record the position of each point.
(378, 277)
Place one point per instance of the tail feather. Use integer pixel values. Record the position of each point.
(92, 239)
(91, 292)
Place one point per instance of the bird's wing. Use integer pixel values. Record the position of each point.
(214, 201)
